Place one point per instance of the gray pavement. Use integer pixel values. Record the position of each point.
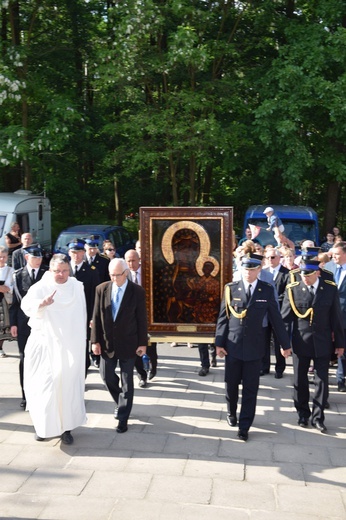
(179, 459)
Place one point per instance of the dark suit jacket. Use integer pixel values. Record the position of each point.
(18, 260)
(331, 268)
(314, 340)
(23, 283)
(129, 330)
(101, 263)
(281, 281)
(246, 339)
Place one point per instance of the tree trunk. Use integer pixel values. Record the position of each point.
(331, 208)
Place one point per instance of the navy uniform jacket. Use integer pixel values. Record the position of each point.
(315, 339)
(129, 330)
(90, 278)
(101, 263)
(22, 282)
(246, 338)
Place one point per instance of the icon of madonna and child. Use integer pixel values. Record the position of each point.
(185, 277)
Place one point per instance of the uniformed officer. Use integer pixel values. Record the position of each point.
(312, 314)
(89, 276)
(241, 336)
(95, 259)
(23, 279)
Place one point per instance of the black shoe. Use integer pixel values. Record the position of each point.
(319, 425)
(116, 410)
(96, 363)
(303, 422)
(37, 438)
(264, 372)
(341, 387)
(142, 383)
(204, 371)
(122, 427)
(231, 420)
(327, 406)
(243, 435)
(67, 438)
(23, 404)
(213, 362)
(278, 375)
(152, 374)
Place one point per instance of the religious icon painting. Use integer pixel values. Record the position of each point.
(186, 261)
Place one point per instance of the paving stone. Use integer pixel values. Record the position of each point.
(302, 454)
(311, 500)
(228, 493)
(121, 484)
(156, 464)
(180, 489)
(274, 473)
(52, 481)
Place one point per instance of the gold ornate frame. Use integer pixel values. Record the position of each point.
(186, 261)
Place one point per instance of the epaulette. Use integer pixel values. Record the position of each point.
(296, 270)
(292, 284)
(330, 282)
(326, 270)
(233, 283)
(104, 256)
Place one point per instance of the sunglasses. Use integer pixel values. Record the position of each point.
(270, 257)
(110, 250)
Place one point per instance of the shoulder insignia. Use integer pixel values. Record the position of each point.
(92, 267)
(327, 271)
(330, 282)
(292, 284)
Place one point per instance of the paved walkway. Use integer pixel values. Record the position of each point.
(179, 459)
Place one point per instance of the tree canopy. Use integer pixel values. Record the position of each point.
(113, 105)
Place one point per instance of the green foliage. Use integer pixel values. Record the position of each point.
(172, 102)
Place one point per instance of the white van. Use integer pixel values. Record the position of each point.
(32, 212)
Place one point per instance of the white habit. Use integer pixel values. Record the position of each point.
(54, 368)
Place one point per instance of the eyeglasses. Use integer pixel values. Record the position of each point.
(110, 249)
(270, 257)
(117, 275)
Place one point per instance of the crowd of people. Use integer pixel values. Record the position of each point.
(89, 308)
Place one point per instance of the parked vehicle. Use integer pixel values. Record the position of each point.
(118, 235)
(300, 222)
(32, 212)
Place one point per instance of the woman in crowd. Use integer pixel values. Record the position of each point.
(13, 241)
(6, 275)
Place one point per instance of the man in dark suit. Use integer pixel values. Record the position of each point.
(94, 259)
(338, 270)
(23, 279)
(281, 279)
(312, 314)
(90, 278)
(241, 336)
(119, 332)
(18, 256)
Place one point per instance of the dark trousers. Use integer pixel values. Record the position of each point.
(280, 362)
(152, 354)
(247, 372)
(123, 395)
(204, 354)
(21, 339)
(301, 386)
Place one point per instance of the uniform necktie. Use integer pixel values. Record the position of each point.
(136, 277)
(33, 275)
(248, 293)
(115, 304)
(338, 274)
(312, 292)
(90, 260)
(75, 270)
